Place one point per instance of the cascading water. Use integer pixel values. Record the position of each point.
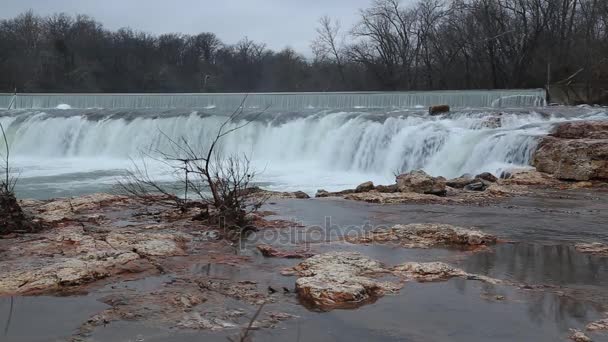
(63, 152)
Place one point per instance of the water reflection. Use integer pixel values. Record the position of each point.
(44, 319)
(540, 264)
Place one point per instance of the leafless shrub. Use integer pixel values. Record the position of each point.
(12, 218)
(220, 183)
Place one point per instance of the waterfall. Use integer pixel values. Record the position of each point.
(62, 151)
(288, 101)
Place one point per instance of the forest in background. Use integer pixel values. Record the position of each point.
(432, 44)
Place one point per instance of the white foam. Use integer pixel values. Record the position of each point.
(331, 151)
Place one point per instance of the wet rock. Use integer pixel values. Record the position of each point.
(301, 195)
(438, 109)
(396, 197)
(578, 336)
(460, 182)
(575, 151)
(347, 279)
(452, 196)
(63, 209)
(581, 130)
(527, 177)
(365, 187)
(276, 317)
(426, 235)
(340, 279)
(187, 300)
(149, 244)
(487, 177)
(598, 325)
(61, 272)
(505, 175)
(259, 192)
(437, 271)
(70, 256)
(595, 248)
(581, 185)
(492, 122)
(428, 271)
(196, 321)
(476, 185)
(269, 251)
(420, 182)
(322, 193)
(245, 291)
(387, 188)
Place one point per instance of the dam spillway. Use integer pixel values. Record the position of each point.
(285, 101)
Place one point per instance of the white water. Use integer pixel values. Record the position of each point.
(63, 152)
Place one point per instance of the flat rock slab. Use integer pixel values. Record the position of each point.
(338, 280)
(595, 248)
(271, 252)
(69, 256)
(427, 235)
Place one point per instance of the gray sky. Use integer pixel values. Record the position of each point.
(278, 23)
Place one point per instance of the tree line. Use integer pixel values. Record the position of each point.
(431, 44)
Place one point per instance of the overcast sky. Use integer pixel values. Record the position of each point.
(278, 23)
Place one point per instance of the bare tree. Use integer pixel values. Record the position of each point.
(327, 45)
(221, 183)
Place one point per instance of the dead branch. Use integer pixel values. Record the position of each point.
(244, 336)
(219, 182)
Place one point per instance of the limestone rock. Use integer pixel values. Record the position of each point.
(387, 189)
(477, 185)
(347, 279)
(575, 151)
(425, 235)
(487, 177)
(149, 244)
(437, 271)
(301, 195)
(595, 248)
(322, 193)
(598, 325)
(61, 272)
(365, 187)
(581, 130)
(69, 256)
(340, 279)
(257, 192)
(579, 336)
(271, 252)
(460, 182)
(66, 208)
(420, 182)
